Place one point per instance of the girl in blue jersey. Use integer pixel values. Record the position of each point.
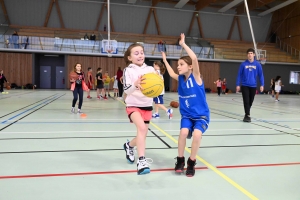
(193, 106)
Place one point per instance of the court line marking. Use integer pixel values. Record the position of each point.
(134, 171)
(248, 194)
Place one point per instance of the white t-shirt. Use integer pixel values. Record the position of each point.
(278, 85)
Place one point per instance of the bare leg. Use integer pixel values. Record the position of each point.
(197, 136)
(142, 130)
(182, 141)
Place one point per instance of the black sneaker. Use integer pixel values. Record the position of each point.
(179, 165)
(247, 118)
(190, 170)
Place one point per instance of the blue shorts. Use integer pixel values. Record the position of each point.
(159, 99)
(191, 124)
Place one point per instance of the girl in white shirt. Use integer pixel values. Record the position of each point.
(159, 101)
(138, 106)
(278, 85)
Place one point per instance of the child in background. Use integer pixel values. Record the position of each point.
(159, 101)
(195, 114)
(218, 83)
(100, 90)
(115, 87)
(2, 80)
(138, 106)
(106, 81)
(89, 82)
(224, 83)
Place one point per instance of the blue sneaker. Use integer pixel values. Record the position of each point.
(155, 115)
(169, 113)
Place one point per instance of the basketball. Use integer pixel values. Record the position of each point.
(73, 75)
(153, 85)
(174, 104)
(8, 87)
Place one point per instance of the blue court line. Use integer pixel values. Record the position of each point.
(3, 122)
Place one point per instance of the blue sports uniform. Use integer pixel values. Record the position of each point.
(248, 72)
(193, 106)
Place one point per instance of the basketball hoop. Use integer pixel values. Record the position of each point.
(263, 61)
(109, 47)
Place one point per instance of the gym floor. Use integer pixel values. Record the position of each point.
(48, 153)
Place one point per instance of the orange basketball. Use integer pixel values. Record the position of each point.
(8, 87)
(73, 75)
(174, 104)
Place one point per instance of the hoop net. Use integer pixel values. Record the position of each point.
(262, 56)
(263, 61)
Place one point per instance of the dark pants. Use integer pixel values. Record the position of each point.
(77, 91)
(1, 87)
(120, 87)
(248, 94)
(219, 90)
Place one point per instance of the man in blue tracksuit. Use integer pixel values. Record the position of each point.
(248, 72)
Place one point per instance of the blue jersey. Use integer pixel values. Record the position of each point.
(248, 73)
(192, 99)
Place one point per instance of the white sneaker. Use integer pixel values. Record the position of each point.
(169, 113)
(73, 110)
(129, 153)
(155, 115)
(143, 165)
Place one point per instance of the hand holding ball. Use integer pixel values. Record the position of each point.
(152, 85)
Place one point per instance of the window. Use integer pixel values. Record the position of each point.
(294, 77)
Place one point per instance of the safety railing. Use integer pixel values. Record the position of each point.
(288, 48)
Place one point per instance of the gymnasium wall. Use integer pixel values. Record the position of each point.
(131, 19)
(17, 67)
(285, 22)
(230, 71)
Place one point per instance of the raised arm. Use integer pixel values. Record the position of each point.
(169, 68)
(192, 55)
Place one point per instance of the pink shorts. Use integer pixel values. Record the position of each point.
(146, 114)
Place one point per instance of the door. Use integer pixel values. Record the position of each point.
(60, 77)
(45, 77)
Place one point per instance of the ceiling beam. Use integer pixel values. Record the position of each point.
(203, 3)
(156, 22)
(59, 14)
(230, 5)
(147, 21)
(252, 5)
(5, 11)
(231, 28)
(100, 17)
(239, 28)
(277, 7)
(48, 13)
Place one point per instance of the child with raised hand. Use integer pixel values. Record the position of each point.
(159, 101)
(195, 114)
(138, 106)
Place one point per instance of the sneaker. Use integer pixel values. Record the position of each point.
(89, 97)
(179, 165)
(79, 111)
(169, 113)
(155, 115)
(143, 165)
(247, 118)
(190, 170)
(109, 95)
(105, 98)
(73, 110)
(276, 100)
(129, 153)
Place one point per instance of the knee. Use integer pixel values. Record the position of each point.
(142, 129)
(197, 135)
(184, 133)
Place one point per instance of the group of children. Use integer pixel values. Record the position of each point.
(221, 85)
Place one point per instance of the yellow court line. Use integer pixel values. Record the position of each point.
(251, 196)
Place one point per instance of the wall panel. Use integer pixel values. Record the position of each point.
(17, 67)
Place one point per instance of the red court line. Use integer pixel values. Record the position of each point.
(134, 171)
